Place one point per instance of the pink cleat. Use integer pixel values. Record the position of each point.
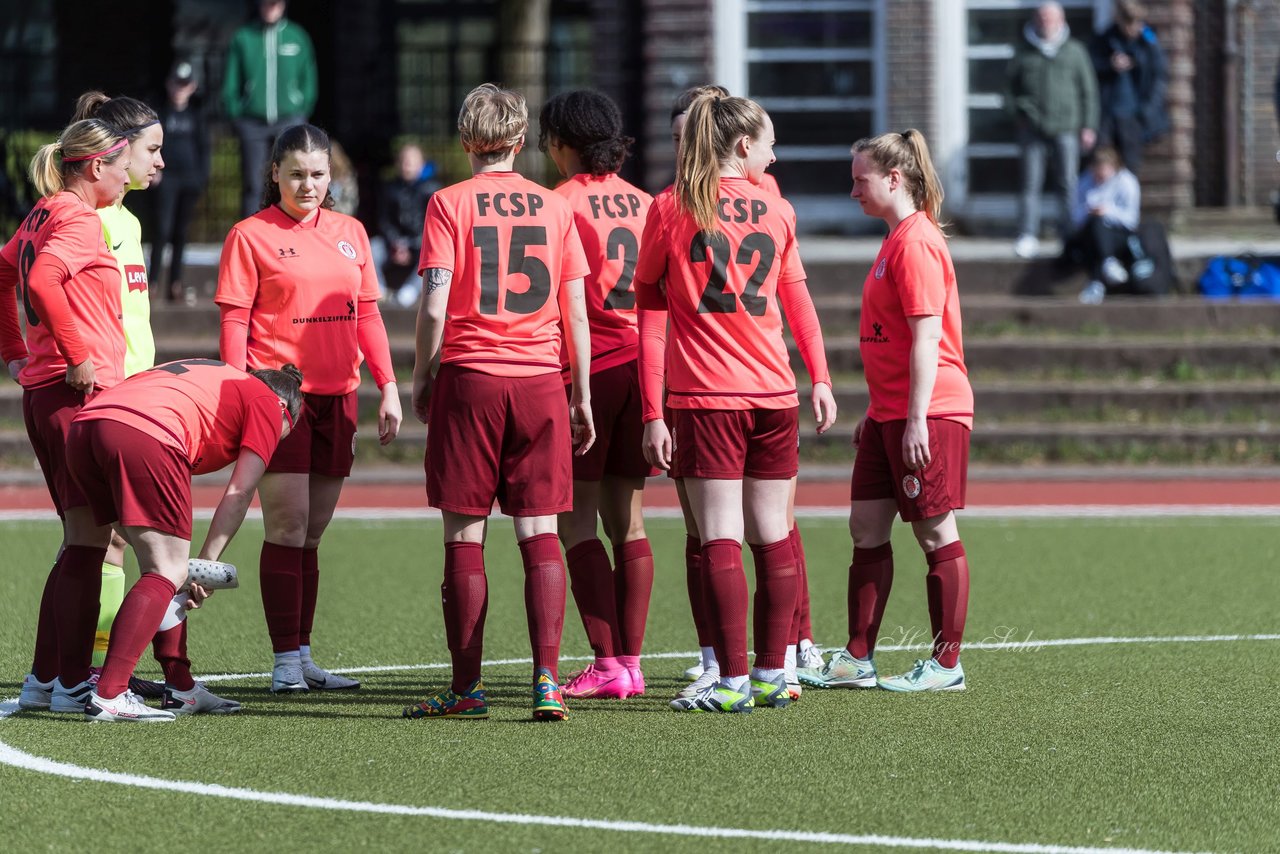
(637, 682)
(596, 684)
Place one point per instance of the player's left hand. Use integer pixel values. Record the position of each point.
(390, 414)
(15, 367)
(824, 406)
(196, 596)
(915, 444)
(421, 399)
(657, 444)
(583, 428)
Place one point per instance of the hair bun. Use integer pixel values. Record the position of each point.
(292, 371)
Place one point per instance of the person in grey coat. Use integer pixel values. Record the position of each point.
(1053, 96)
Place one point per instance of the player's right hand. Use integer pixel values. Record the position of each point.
(15, 368)
(582, 427)
(657, 444)
(81, 376)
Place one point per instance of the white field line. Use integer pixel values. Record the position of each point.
(838, 511)
(26, 761)
(1015, 646)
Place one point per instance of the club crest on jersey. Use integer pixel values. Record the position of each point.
(135, 277)
(911, 486)
(347, 249)
(880, 268)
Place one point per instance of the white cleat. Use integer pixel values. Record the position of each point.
(127, 708)
(704, 682)
(695, 671)
(319, 679)
(199, 700)
(286, 678)
(36, 695)
(72, 700)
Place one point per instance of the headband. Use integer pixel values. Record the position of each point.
(119, 145)
(135, 130)
(284, 407)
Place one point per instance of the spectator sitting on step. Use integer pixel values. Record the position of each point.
(1105, 220)
(402, 209)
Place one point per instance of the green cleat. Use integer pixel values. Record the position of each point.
(771, 695)
(716, 698)
(842, 671)
(927, 675)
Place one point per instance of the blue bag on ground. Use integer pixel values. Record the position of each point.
(1225, 277)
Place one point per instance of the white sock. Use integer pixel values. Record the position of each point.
(766, 674)
(735, 683)
(790, 665)
(805, 644)
(174, 613)
(288, 657)
(709, 658)
(304, 652)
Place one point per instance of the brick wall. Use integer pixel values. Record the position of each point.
(1259, 56)
(678, 54)
(1168, 171)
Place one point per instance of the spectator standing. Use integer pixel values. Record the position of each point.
(402, 209)
(269, 85)
(1053, 96)
(1132, 79)
(186, 173)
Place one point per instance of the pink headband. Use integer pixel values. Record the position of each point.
(119, 145)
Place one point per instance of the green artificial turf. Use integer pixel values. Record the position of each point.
(1145, 746)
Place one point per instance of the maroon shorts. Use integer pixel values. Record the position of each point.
(615, 408)
(879, 471)
(48, 411)
(504, 438)
(730, 444)
(130, 477)
(324, 439)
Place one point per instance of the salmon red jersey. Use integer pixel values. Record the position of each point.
(511, 245)
(609, 214)
(204, 408)
(913, 277)
(725, 349)
(67, 228)
(303, 283)
(770, 184)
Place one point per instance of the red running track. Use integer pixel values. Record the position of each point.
(982, 493)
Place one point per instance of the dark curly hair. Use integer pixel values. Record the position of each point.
(590, 123)
(304, 138)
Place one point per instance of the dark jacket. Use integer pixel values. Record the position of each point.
(1140, 91)
(1053, 91)
(186, 144)
(404, 209)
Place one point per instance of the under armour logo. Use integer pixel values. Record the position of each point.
(287, 253)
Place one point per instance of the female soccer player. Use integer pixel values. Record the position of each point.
(727, 251)
(297, 284)
(706, 671)
(913, 441)
(132, 452)
(141, 126)
(582, 131)
(502, 272)
(61, 271)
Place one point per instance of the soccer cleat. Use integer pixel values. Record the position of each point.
(146, 689)
(599, 684)
(36, 695)
(1026, 246)
(716, 698)
(286, 678)
(199, 700)
(72, 700)
(637, 682)
(127, 708)
(548, 700)
(771, 695)
(842, 671)
(926, 675)
(319, 679)
(693, 673)
(706, 680)
(470, 704)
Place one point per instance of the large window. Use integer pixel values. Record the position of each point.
(816, 66)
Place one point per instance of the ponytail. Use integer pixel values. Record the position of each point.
(46, 170)
(80, 142)
(713, 126)
(909, 154)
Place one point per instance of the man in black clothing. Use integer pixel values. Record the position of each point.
(401, 211)
(1132, 80)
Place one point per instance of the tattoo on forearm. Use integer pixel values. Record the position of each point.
(438, 278)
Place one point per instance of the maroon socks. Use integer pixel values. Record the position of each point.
(544, 585)
(75, 610)
(135, 625)
(592, 581)
(775, 602)
(633, 585)
(948, 588)
(170, 649)
(465, 597)
(725, 589)
(310, 590)
(280, 568)
(870, 579)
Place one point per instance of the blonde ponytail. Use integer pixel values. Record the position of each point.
(712, 127)
(80, 142)
(909, 154)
